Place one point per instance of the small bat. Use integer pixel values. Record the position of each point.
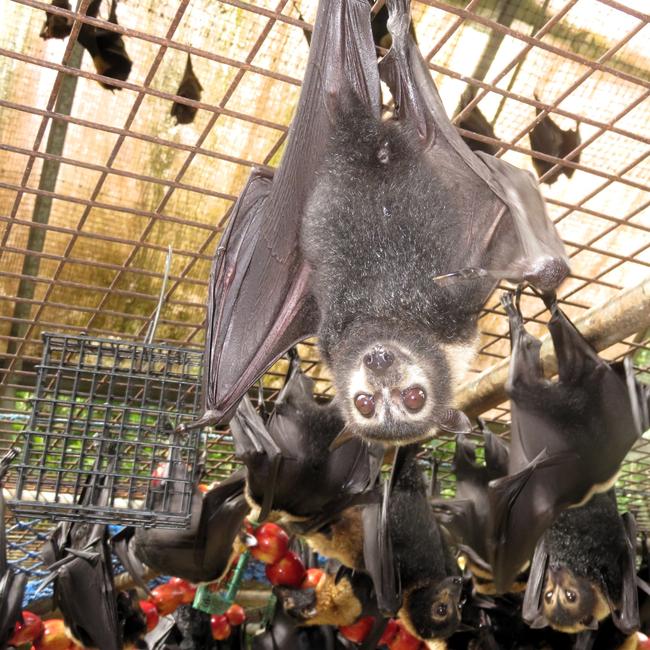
(132, 620)
(385, 238)
(406, 555)
(467, 516)
(283, 633)
(547, 137)
(584, 570)
(57, 26)
(78, 556)
(200, 553)
(339, 599)
(568, 437)
(106, 47)
(189, 88)
(12, 583)
(290, 467)
(476, 123)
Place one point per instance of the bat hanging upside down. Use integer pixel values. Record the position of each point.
(385, 238)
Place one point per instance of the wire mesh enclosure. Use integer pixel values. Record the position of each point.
(109, 408)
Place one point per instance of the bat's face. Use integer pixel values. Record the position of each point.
(572, 603)
(396, 393)
(433, 612)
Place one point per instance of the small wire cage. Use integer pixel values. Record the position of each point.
(110, 408)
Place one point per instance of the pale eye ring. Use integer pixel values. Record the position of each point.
(414, 398)
(365, 404)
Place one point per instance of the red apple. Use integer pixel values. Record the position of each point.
(161, 472)
(166, 598)
(357, 632)
(389, 632)
(235, 614)
(404, 640)
(643, 643)
(150, 612)
(289, 571)
(220, 627)
(272, 543)
(312, 578)
(28, 630)
(187, 590)
(54, 636)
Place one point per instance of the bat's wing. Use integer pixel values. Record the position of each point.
(222, 515)
(123, 548)
(259, 302)
(532, 609)
(625, 614)
(503, 226)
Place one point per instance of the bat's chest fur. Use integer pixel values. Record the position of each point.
(381, 223)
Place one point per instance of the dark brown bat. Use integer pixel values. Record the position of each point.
(467, 515)
(547, 137)
(383, 237)
(568, 437)
(476, 123)
(189, 88)
(57, 26)
(290, 468)
(12, 583)
(584, 570)
(106, 47)
(200, 553)
(78, 556)
(405, 553)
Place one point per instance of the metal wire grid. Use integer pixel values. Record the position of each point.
(577, 60)
(105, 407)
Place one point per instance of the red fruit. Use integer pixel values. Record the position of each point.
(220, 627)
(161, 472)
(643, 643)
(404, 640)
(389, 632)
(28, 631)
(166, 598)
(236, 614)
(203, 488)
(289, 571)
(357, 632)
(150, 612)
(54, 636)
(312, 578)
(272, 543)
(187, 590)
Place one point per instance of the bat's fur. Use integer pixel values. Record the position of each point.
(342, 540)
(376, 232)
(331, 602)
(587, 551)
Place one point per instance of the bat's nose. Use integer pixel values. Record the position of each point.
(379, 359)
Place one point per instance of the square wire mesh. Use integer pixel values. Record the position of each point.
(97, 400)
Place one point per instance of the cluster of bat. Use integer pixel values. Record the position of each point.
(109, 55)
(385, 237)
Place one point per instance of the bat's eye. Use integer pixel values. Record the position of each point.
(441, 610)
(548, 596)
(365, 404)
(414, 398)
(571, 596)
